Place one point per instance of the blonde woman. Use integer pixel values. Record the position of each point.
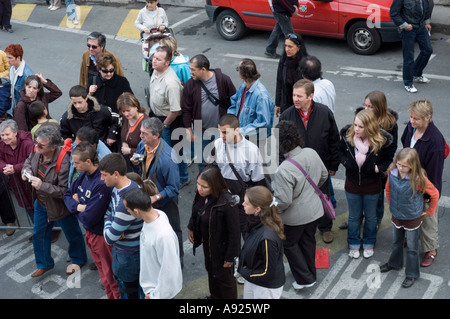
(425, 137)
(387, 119)
(261, 258)
(363, 152)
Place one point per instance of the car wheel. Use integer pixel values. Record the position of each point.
(363, 39)
(229, 25)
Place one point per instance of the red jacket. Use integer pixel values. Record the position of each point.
(17, 157)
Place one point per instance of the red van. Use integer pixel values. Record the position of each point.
(364, 24)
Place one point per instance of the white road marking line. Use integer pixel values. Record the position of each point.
(390, 72)
(173, 26)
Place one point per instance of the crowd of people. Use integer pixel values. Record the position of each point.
(115, 169)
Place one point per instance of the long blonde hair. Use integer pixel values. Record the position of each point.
(380, 108)
(417, 175)
(371, 128)
(260, 196)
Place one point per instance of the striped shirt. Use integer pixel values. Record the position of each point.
(121, 222)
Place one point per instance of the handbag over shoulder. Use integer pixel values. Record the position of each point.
(328, 208)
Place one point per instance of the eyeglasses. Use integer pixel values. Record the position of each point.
(402, 166)
(40, 145)
(108, 71)
(237, 68)
(93, 46)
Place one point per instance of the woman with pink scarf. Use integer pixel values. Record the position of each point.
(363, 152)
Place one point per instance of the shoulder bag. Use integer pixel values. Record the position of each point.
(328, 208)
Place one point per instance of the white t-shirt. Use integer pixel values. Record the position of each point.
(160, 274)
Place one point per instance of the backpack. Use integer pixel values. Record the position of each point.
(67, 147)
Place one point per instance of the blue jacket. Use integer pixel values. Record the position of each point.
(404, 205)
(93, 193)
(404, 12)
(180, 64)
(102, 151)
(167, 173)
(20, 82)
(257, 111)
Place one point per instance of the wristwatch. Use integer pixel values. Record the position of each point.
(158, 197)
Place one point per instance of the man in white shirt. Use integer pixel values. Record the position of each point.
(232, 150)
(324, 91)
(160, 274)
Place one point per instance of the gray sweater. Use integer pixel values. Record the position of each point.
(297, 200)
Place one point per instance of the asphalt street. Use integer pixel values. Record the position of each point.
(54, 48)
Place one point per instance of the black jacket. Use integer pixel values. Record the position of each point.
(391, 149)
(98, 117)
(261, 259)
(284, 6)
(365, 175)
(322, 133)
(224, 235)
(108, 91)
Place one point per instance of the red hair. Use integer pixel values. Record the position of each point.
(15, 50)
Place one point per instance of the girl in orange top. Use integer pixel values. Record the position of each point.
(406, 187)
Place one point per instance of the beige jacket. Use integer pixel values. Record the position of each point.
(85, 63)
(297, 200)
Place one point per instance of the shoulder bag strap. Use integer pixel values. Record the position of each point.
(210, 96)
(318, 191)
(238, 176)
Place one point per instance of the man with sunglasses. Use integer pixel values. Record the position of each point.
(96, 43)
(282, 11)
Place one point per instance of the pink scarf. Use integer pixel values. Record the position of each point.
(362, 148)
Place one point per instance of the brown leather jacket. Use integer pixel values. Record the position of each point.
(54, 185)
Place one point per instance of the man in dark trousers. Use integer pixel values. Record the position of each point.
(282, 10)
(318, 128)
(413, 21)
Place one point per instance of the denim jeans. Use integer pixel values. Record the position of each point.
(42, 238)
(282, 27)
(126, 271)
(412, 252)
(411, 67)
(362, 207)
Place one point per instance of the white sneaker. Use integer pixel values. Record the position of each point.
(75, 21)
(54, 8)
(50, 7)
(421, 79)
(297, 286)
(367, 253)
(353, 253)
(411, 88)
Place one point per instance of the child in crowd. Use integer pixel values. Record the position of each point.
(406, 187)
(38, 112)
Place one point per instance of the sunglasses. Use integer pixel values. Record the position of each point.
(93, 46)
(108, 71)
(293, 38)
